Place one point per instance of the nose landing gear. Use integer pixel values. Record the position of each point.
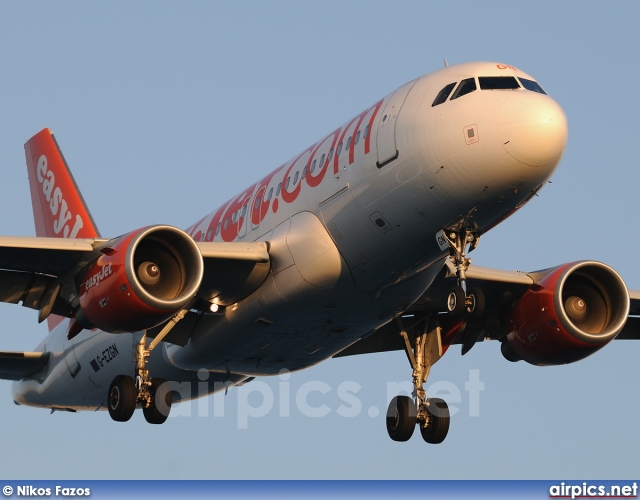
(431, 415)
(459, 300)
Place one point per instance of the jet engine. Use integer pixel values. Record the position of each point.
(572, 311)
(141, 280)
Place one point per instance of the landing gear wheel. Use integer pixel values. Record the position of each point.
(401, 418)
(121, 398)
(158, 411)
(456, 301)
(475, 302)
(437, 427)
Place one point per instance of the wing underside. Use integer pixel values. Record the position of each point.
(42, 274)
(501, 288)
(18, 365)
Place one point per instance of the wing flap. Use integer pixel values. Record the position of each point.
(30, 268)
(28, 288)
(19, 365)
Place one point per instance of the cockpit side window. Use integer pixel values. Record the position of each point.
(466, 86)
(498, 83)
(531, 85)
(443, 94)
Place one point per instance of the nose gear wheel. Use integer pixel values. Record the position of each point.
(458, 241)
(459, 300)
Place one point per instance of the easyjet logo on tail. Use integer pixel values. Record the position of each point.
(64, 223)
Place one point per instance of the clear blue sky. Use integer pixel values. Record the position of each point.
(165, 110)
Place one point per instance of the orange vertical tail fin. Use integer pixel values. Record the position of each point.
(59, 210)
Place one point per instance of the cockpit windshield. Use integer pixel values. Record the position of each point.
(468, 85)
(443, 94)
(531, 85)
(498, 82)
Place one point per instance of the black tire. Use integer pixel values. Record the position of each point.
(158, 411)
(401, 418)
(455, 301)
(477, 299)
(508, 352)
(121, 398)
(438, 426)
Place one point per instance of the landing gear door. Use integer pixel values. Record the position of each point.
(386, 143)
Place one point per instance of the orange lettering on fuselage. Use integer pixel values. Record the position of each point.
(315, 180)
(367, 141)
(260, 205)
(255, 199)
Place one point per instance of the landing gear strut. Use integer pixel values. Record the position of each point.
(431, 415)
(150, 393)
(459, 299)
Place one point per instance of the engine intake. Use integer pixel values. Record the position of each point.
(141, 280)
(571, 312)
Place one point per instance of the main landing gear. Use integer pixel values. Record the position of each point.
(152, 394)
(430, 414)
(459, 300)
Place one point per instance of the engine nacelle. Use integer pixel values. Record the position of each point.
(141, 279)
(571, 312)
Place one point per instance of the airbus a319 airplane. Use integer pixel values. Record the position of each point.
(356, 245)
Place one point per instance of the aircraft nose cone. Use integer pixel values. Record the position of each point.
(533, 129)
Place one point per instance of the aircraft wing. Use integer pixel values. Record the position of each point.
(507, 285)
(631, 329)
(18, 365)
(31, 268)
(501, 288)
(232, 271)
(42, 273)
(52, 256)
(498, 286)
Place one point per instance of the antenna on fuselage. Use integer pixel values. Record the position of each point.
(446, 64)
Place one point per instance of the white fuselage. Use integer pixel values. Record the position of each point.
(351, 224)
